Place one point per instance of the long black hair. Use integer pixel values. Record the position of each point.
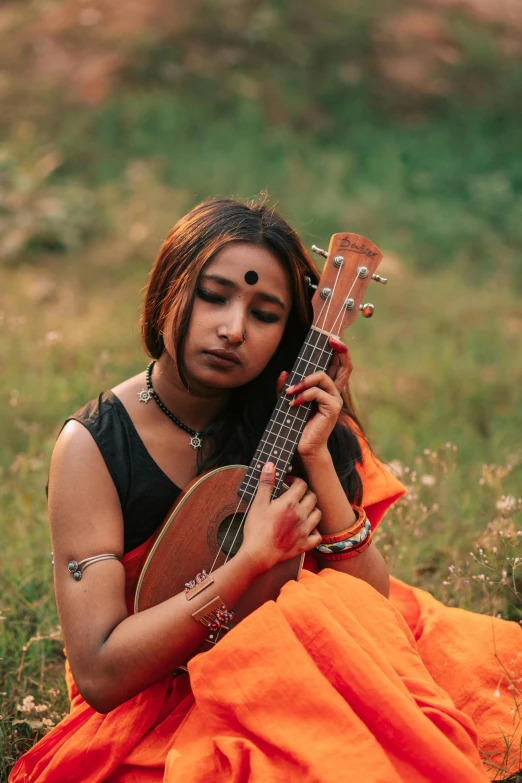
(233, 436)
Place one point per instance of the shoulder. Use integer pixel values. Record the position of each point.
(84, 432)
(92, 413)
(87, 442)
(76, 456)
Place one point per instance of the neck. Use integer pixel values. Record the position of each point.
(195, 408)
(281, 436)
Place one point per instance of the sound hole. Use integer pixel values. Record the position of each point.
(228, 537)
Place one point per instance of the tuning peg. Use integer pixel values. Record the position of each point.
(379, 279)
(309, 283)
(367, 310)
(319, 251)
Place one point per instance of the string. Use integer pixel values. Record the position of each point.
(296, 418)
(323, 350)
(308, 404)
(247, 485)
(273, 422)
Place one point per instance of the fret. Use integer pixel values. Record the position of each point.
(281, 469)
(285, 431)
(276, 451)
(279, 440)
(286, 411)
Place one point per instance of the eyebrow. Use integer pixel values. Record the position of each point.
(230, 284)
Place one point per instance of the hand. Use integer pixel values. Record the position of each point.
(325, 389)
(277, 530)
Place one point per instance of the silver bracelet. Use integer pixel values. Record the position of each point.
(76, 568)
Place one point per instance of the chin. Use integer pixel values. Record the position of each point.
(214, 379)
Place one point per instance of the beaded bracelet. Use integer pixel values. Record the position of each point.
(355, 544)
(353, 552)
(347, 543)
(356, 527)
(200, 582)
(214, 614)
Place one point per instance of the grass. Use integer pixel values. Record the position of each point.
(87, 194)
(435, 366)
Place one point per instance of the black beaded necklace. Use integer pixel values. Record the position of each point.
(196, 440)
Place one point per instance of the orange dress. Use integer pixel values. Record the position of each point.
(330, 682)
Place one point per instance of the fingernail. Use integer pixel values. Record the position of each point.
(338, 346)
(289, 389)
(269, 467)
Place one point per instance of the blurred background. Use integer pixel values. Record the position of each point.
(394, 119)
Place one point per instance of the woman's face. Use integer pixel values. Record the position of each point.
(240, 311)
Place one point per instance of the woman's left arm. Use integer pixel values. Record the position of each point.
(337, 514)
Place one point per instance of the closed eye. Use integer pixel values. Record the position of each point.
(267, 318)
(207, 296)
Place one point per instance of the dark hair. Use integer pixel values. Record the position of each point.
(190, 245)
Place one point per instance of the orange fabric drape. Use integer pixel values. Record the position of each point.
(331, 681)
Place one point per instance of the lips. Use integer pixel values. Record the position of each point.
(228, 356)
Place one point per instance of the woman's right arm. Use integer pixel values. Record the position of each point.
(114, 656)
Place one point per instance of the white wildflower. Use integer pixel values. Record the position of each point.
(506, 503)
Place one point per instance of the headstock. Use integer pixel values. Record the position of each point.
(350, 264)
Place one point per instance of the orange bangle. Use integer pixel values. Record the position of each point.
(335, 538)
(353, 552)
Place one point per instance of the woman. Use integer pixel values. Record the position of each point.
(293, 688)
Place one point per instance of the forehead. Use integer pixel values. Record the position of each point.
(238, 258)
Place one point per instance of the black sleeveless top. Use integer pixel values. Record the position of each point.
(146, 493)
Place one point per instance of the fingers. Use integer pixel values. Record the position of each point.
(266, 484)
(337, 344)
(313, 540)
(333, 381)
(297, 490)
(319, 396)
(317, 379)
(314, 518)
(309, 502)
(341, 366)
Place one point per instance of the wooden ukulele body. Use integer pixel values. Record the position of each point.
(189, 540)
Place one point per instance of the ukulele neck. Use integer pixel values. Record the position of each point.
(281, 436)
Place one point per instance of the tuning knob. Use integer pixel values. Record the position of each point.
(309, 283)
(320, 251)
(367, 310)
(379, 279)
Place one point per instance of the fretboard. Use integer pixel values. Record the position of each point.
(286, 424)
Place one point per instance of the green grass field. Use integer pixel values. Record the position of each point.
(437, 384)
(87, 193)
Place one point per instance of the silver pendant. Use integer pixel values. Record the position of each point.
(144, 395)
(196, 442)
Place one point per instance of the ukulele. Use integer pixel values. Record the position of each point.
(203, 529)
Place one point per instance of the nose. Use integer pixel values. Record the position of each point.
(233, 328)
